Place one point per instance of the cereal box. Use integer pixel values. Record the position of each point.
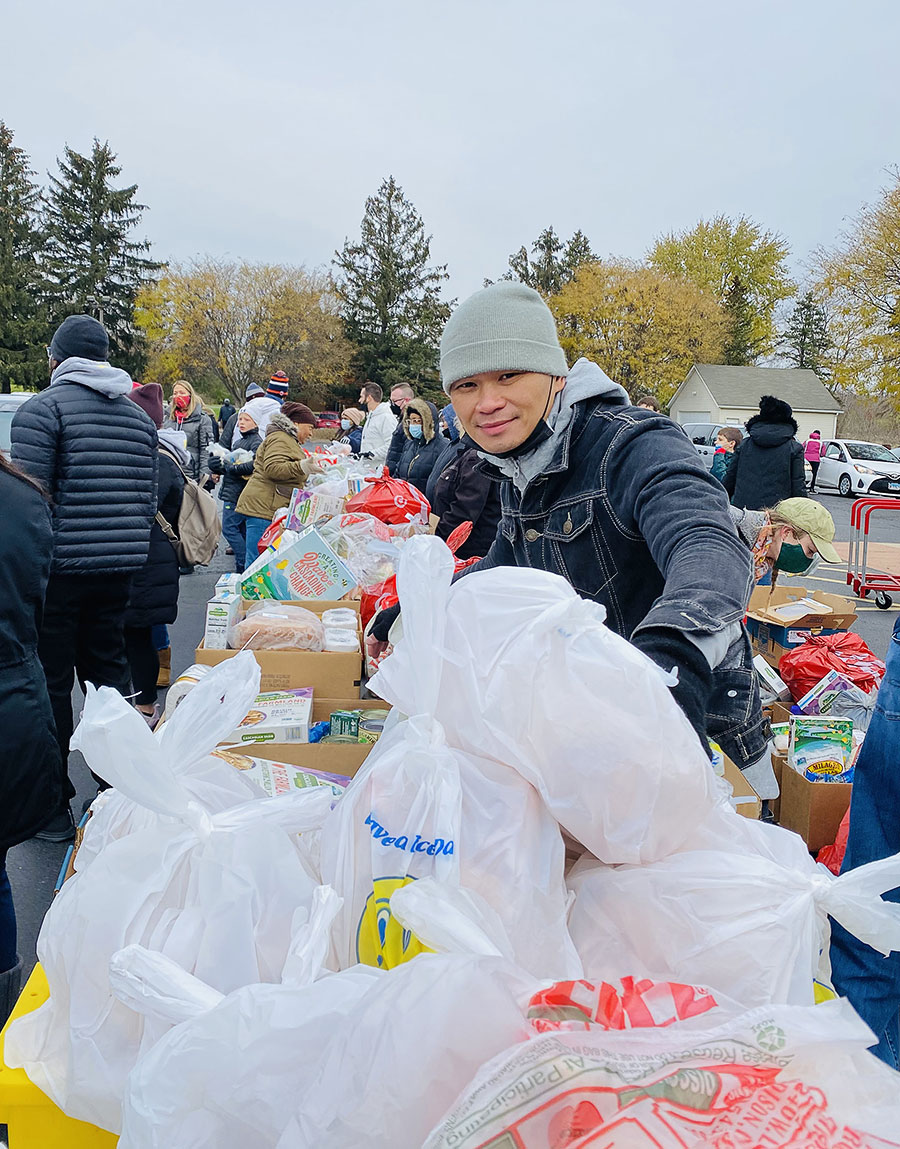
(280, 716)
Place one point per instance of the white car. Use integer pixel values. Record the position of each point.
(854, 468)
(9, 404)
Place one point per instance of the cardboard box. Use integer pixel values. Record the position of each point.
(779, 765)
(773, 638)
(330, 675)
(744, 798)
(330, 757)
(812, 809)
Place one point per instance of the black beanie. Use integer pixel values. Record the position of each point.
(82, 336)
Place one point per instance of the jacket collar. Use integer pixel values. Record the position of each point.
(280, 422)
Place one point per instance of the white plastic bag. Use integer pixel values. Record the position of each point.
(183, 747)
(421, 809)
(227, 1074)
(784, 1077)
(216, 892)
(752, 927)
(531, 677)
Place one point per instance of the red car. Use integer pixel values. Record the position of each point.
(329, 420)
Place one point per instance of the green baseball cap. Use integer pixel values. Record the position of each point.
(812, 519)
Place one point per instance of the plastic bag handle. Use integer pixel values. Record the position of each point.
(154, 985)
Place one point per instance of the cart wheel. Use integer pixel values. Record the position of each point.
(883, 601)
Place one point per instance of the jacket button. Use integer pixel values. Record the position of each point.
(567, 526)
(532, 535)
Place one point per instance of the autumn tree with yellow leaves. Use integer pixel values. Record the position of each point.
(859, 286)
(237, 322)
(643, 328)
(740, 266)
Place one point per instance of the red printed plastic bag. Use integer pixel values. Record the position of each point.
(845, 652)
(391, 500)
(377, 598)
(455, 540)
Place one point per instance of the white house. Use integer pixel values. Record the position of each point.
(714, 393)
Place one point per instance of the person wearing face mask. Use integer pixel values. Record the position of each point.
(422, 446)
(351, 429)
(401, 394)
(789, 537)
(187, 415)
(252, 422)
(280, 465)
(615, 500)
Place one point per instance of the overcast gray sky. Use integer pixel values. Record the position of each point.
(257, 129)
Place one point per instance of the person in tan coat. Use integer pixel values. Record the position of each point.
(281, 464)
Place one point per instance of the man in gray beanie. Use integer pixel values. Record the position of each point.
(613, 498)
(94, 452)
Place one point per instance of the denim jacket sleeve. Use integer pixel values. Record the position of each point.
(659, 488)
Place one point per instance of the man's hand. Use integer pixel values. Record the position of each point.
(375, 648)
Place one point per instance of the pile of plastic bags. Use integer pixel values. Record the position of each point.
(532, 919)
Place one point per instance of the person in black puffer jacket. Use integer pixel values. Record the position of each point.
(423, 444)
(767, 466)
(460, 490)
(154, 588)
(94, 452)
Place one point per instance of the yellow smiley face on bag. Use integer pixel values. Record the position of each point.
(380, 939)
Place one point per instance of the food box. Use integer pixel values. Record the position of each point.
(821, 698)
(771, 687)
(277, 778)
(330, 674)
(743, 797)
(773, 635)
(276, 716)
(821, 748)
(222, 612)
(306, 508)
(304, 566)
(332, 757)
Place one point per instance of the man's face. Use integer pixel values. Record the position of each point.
(400, 400)
(363, 397)
(500, 409)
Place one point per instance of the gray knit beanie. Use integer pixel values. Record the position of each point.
(504, 327)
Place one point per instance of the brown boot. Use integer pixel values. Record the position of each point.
(165, 667)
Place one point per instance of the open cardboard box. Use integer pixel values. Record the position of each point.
(744, 798)
(772, 637)
(335, 757)
(330, 675)
(813, 810)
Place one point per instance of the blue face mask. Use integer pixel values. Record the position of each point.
(416, 429)
(345, 424)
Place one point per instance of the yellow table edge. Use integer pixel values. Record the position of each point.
(17, 1093)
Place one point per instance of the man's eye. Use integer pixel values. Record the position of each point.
(510, 375)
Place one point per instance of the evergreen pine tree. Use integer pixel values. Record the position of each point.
(92, 264)
(390, 292)
(553, 264)
(742, 347)
(806, 341)
(24, 328)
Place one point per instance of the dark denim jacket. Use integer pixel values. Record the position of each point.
(631, 518)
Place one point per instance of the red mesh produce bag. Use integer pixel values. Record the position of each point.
(846, 652)
(391, 500)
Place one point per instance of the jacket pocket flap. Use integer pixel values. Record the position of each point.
(565, 523)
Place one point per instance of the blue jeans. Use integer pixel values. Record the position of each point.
(160, 634)
(7, 920)
(870, 981)
(255, 529)
(234, 528)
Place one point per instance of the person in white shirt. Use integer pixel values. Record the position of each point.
(380, 424)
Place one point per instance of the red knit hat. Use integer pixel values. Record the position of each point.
(149, 398)
(278, 386)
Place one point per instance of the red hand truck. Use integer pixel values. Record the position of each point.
(859, 576)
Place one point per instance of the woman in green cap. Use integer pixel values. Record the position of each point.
(788, 537)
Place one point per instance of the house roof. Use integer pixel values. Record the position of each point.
(744, 386)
